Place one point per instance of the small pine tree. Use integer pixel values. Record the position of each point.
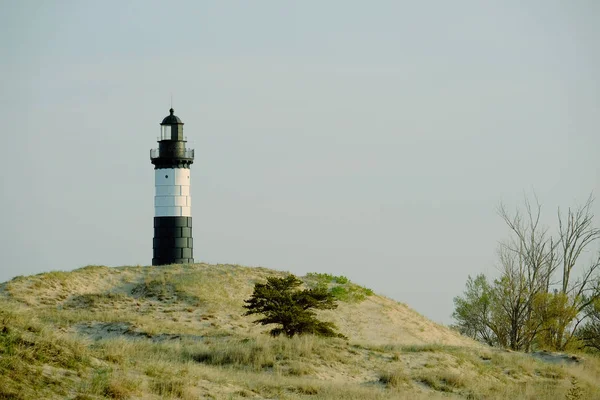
(575, 392)
(282, 303)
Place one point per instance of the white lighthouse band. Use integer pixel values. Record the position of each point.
(173, 242)
(172, 192)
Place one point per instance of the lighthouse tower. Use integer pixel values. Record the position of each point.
(173, 243)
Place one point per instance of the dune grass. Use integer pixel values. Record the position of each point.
(177, 333)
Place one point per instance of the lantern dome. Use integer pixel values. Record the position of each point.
(171, 119)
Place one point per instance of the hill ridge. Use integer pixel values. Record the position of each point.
(396, 322)
(178, 332)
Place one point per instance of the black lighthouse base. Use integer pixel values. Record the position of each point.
(173, 243)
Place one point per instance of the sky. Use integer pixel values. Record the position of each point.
(373, 140)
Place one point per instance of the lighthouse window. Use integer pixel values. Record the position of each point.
(166, 132)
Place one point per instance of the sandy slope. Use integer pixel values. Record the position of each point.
(220, 291)
(380, 320)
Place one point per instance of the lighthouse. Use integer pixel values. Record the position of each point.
(172, 243)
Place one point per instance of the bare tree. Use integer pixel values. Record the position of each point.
(589, 334)
(527, 263)
(531, 242)
(577, 235)
(547, 285)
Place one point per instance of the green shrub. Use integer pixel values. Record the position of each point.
(327, 278)
(340, 287)
(340, 293)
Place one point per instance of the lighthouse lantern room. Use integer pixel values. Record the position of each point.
(173, 243)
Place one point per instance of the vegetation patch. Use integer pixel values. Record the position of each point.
(241, 355)
(432, 348)
(575, 391)
(551, 372)
(394, 378)
(159, 289)
(106, 383)
(124, 330)
(119, 386)
(96, 300)
(339, 286)
(25, 347)
(93, 269)
(296, 368)
(325, 278)
(440, 380)
(168, 386)
(306, 389)
(164, 288)
(291, 356)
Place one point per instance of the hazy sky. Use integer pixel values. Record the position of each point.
(369, 139)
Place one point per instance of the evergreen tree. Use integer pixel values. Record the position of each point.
(281, 302)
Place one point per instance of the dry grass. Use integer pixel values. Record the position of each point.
(177, 332)
(394, 378)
